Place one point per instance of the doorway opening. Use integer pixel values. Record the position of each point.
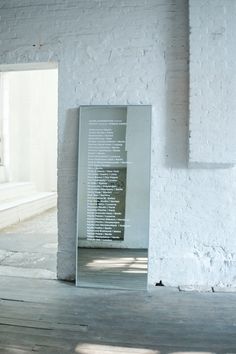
(28, 170)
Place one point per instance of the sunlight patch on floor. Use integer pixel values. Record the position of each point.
(88, 348)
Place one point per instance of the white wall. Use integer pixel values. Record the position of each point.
(3, 175)
(4, 104)
(32, 125)
(121, 52)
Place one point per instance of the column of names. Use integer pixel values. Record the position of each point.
(106, 179)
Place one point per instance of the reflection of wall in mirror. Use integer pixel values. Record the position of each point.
(134, 200)
(138, 176)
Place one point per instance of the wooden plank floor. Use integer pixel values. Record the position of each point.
(113, 268)
(52, 317)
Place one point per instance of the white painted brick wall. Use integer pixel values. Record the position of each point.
(121, 52)
(212, 82)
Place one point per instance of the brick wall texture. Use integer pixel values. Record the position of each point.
(137, 52)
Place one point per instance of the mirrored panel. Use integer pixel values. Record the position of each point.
(113, 196)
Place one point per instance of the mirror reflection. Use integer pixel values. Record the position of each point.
(113, 196)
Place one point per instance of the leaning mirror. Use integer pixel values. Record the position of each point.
(113, 196)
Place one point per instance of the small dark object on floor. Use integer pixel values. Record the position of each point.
(159, 284)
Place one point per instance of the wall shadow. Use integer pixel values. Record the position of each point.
(177, 87)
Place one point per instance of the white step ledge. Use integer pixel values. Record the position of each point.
(19, 209)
